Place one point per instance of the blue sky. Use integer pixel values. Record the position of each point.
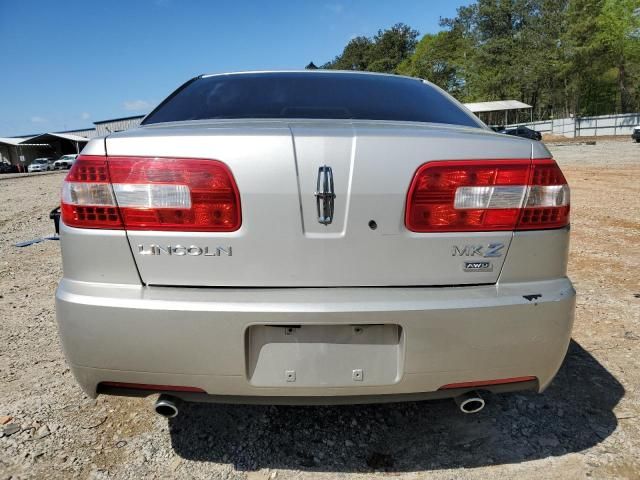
(66, 64)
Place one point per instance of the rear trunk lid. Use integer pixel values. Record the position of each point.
(284, 239)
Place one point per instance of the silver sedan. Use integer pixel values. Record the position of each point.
(314, 237)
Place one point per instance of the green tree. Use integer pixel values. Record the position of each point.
(544, 87)
(618, 32)
(560, 56)
(587, 85)
(355, 56)
(603, 48)
(541, 57)
(497, 49)
(391, 47)
(503, 28)
(442, 59)
(382, 53)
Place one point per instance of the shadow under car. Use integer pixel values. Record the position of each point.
(573, 414)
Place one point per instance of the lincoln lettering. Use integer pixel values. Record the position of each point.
(179, 250)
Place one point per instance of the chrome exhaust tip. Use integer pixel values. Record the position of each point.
(166, 407)
(470, 402)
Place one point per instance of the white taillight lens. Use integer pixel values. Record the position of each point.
(548, 196)
(152, 196)
(489, 197)
(511, 197)
(96, 194)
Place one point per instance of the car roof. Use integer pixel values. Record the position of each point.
(313, 72)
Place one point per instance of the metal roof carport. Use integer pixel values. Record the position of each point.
(13, 149)
(490, 108)
(61, 143)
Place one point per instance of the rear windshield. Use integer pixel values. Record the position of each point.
(310, 95)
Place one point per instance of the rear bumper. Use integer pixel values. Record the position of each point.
(198, 337)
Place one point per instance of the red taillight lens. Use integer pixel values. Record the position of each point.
(487, 195)
(178, 194)
(175, 194)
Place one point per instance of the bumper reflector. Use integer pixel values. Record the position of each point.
(148, 386)
(484, 383)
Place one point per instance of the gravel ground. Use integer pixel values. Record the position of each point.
(585, 424)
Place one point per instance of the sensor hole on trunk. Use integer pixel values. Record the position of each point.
(372, 224)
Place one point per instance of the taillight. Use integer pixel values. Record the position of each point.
(548, 199)
(140, 193)
(87, 196)
(487, 195)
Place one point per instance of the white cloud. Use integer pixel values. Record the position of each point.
(38, 119)
(336, 8)
(136, 105)
(85, 116)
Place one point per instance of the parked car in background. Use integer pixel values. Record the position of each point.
(523, 132)
(197, 249)
(636, 134)
(6, 167)
(64, 162)
(41, 165)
